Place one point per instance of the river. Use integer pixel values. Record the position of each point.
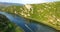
(31, 27)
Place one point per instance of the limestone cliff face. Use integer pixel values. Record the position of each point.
(46, 13)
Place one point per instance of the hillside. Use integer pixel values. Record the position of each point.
(46, 13)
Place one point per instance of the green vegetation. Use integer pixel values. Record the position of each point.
(46, 13)
(7, 26)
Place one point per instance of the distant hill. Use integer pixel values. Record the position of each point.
(5, 4)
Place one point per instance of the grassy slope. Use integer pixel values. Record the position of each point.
(46, 13)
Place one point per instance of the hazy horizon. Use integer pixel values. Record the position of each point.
(27, 1)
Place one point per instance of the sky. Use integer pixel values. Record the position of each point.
(27, 1)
